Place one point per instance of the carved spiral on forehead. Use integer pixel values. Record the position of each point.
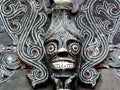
(62, 29)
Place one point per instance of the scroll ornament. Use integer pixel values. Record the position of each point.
(27, 23)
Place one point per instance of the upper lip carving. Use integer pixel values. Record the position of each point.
(63, 59)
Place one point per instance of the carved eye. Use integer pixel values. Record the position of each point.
(74, 48)
(51, 47)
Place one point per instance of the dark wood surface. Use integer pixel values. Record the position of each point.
(108, 80)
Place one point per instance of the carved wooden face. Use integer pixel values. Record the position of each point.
(63, 51)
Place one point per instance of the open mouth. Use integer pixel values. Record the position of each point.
(63, 63)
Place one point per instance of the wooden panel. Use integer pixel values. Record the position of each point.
(108, 81)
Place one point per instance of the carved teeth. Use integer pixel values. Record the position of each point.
(63, 65)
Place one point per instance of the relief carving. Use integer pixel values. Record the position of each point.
(59, 39)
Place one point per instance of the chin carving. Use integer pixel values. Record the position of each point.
(63, 41)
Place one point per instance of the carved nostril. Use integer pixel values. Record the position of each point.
(62, 52)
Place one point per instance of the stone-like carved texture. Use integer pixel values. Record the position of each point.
(80, 32)
(100, 33)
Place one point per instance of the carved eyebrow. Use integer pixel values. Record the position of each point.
(72, 40)
(50, 40)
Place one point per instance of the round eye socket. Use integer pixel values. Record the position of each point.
(51, 47)
(74, 48)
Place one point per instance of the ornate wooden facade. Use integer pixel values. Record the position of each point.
(59, 44)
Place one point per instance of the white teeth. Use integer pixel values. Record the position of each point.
(63, 65)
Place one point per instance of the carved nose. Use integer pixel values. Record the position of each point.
(62, 52)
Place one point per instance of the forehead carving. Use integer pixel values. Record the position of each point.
(64, 25)
(62, 35)
(63, 32)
